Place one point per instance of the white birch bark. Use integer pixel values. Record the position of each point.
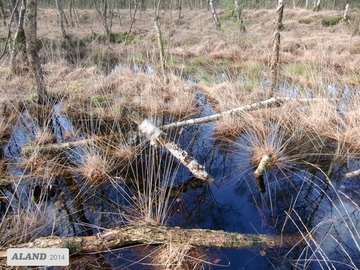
(213, 11)
(157, 137)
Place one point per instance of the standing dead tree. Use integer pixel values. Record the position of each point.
(274, 62)
(346, 11)
(215, 16)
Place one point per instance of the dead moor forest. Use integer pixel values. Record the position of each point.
(182, 134)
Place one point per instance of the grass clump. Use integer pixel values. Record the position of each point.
(331, 21)
(305, 20)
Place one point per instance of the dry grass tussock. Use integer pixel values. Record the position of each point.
(148, 93)
(177, 257)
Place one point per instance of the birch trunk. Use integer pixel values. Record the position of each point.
(19, 42)
(32, 50)
(129, 235)
(215, 117)
(157, 137)
(345, 17)
(259, 172)
(57, 147)
(215, 16)
(317, 5)
(274, 62)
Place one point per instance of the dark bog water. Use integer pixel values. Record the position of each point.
(300, 200)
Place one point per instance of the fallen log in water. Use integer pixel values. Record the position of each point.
(128, 235)
(57, 147)
(275, 101)
(157, 137)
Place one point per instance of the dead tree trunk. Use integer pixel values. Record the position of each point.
(160, 43)
(259, 172)
(214, 117)
(128, 235)
(274, 62)
(346, 11)
(32, 48)
(157, 137)
(62, 18)
(215, 16)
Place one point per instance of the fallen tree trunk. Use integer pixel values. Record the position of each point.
(274, 101)
(157, 137)
(57, 147)
(217, 116)
(129, 235)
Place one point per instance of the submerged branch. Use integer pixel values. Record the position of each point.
(128, 235)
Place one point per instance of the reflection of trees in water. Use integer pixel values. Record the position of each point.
(202, 210)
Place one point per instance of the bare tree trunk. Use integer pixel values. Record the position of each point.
(132, 21)
(274, 62)
(19, 42)
(157, 137)
(62, 18)
(179, 7)
(307, 4)
(160, 43)
(317, 5)
(259, 172)
(345, 17)
(32, 50)
(215, 16)
(129, 235)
